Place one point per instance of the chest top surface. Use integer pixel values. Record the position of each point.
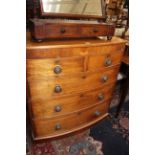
(70, 43)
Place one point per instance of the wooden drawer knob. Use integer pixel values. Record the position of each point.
(57, 89)
(107, 62)
(100, 96)
(104, 78)
(109, 37)
(57, 70)
(57, 108)
(62, 30)
(97, 113)
(57, 126)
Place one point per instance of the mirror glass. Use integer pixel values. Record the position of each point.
(78, 7)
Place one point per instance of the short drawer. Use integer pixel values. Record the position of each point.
(55, 31)
(68, 85)
(62, 125)
(94, 31)
(65, 105)
(57, 66)
(96, 62)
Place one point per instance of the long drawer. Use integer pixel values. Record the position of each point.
(61, 125)
(43, 108)
(77, 49)
(64, 85)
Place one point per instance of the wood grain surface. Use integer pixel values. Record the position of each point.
(45, 88)
(45, 108)
(70, 83)
(47, 127)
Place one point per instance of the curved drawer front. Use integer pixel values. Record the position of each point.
(62, 125)
(64, 85)
(76, 51)
(59, 66)
(104, 61)
(49, 67)
(65, 105)
(70, 82)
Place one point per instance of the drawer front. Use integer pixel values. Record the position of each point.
(67, 85)
(55, 31)
(65, 105)
(49, 67)
(49, 127)
(95, 30)
(74, 51)
(96, 62)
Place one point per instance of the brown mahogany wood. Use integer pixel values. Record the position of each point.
(70, 84)
(70, 81)
(78, 129)
(42, 29)
(79, 119)
(51, 107)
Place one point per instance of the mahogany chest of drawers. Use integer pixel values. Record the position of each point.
(70, 83)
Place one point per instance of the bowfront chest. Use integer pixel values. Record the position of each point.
(70, 83)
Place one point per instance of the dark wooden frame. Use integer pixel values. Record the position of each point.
(64, 15)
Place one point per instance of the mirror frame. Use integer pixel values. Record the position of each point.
(67, 15)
